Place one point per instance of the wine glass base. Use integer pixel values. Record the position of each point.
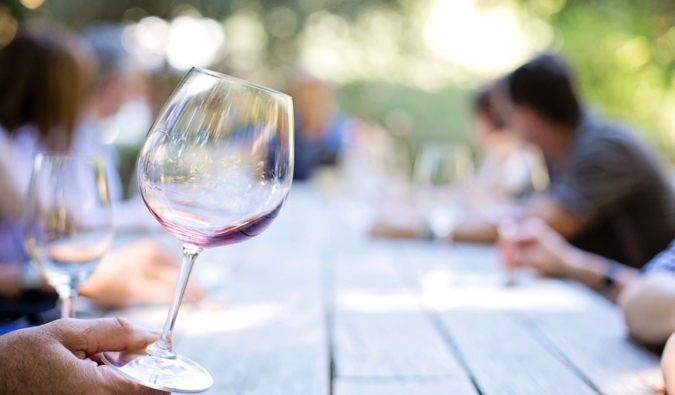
(180, 374)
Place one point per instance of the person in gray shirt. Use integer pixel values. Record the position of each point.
(607, 194)
(614, 189)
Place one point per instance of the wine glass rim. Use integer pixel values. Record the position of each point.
(238, 80)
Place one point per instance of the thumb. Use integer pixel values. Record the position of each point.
(88, 337)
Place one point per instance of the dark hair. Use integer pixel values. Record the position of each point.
(545, 84)
(44, 79)
(483, 104)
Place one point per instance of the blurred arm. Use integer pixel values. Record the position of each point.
(11, 198)
(648, 303)
(11, 283)
(668, 365)
(475, 229)
(535, 244)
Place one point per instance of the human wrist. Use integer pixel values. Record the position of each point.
(577, 263)
(592, 270)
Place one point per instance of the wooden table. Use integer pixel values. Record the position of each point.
(313, 306)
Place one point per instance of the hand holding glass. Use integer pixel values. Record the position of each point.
(215, 169)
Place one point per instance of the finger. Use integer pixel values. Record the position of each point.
(517, 258)
(87, 337)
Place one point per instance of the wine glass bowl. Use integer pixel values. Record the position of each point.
(67, 221)
(215, 169)
(440, 172)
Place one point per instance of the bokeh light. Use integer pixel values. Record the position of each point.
(488, 41)
(32, 4)
(193, 41)
(187, 41)
(146, 40)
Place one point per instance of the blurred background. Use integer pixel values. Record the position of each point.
(407, 67)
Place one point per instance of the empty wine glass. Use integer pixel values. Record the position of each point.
(67, 221)
(439, 172)
(215, 169)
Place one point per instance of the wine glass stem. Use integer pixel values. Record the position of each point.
(163, 347)
(68, 296)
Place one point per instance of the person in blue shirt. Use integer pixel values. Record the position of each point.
(319, 129)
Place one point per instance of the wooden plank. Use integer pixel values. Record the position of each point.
(403, 387)
(478, 313)
(595, 339)
(504, 358)
(379, 328)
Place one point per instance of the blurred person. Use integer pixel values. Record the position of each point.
(510, 168)
(509, 171)
(45, 77)
(118, 90)
(607, 193)
(61, 358)
(646, 296)
(115, 68)
(319, 129)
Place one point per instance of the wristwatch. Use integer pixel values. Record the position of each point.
(31, 278)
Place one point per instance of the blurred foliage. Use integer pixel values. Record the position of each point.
(623, 52)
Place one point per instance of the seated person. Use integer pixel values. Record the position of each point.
(607, 194)
(319, 129)
(510, 169)
(44, 82)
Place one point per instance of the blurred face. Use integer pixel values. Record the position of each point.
(483, 128)
(523, 120)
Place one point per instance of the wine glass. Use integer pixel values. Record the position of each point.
(440, 171)
(67, 221)
(215, 169)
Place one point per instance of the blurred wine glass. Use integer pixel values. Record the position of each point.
(67, 221)
(215, 169)
(441, 172)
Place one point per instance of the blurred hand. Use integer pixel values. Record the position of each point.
(532, 243)
(398, 220)
(140, 272)
(385, 230)
(55, 358)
